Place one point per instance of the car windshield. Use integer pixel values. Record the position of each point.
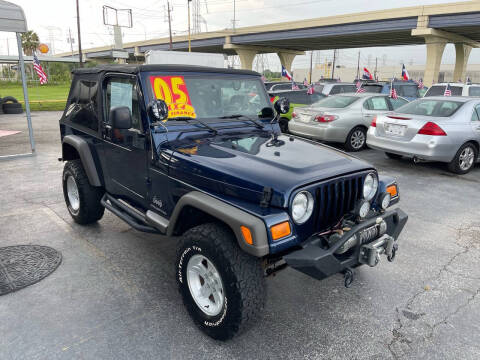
(210, 96)
(373, 88)
(336, 102)
(407, 90)
(439, 90)
(438, 108)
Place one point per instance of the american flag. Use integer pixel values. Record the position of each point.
(448, 91)
(420, 84)
(310, 89)
(39, 70)
(295, 86)
(393, 92)
(264, 79)
(359, 88)
(305, 82)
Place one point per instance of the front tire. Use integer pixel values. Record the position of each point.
(81, 198)
(464, 159)
(356, 139)
(222, 287)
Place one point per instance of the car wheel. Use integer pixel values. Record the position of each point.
(464, 159)
(82, 199)
(283, 122)
(393, 156)
(12, 108)
(356, 139)
(222, 287)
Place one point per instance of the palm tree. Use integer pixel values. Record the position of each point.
(30, 42)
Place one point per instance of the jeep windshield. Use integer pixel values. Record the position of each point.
(211, 96)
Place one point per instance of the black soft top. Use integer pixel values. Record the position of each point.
(136, 68)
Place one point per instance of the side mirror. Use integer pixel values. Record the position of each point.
(121, 117)
(282, 105)
(158, 109)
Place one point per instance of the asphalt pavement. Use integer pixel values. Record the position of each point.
(114, 296)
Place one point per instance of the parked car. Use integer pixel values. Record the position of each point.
(242, 200)
(334, 88)
(457, 89)
(342, 118)
(406, 89)
(445, 129)
(286, 86)
(297, 98)
(269, 84)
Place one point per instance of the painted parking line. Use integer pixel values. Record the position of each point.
(8, 132)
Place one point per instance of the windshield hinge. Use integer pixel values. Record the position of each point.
(266, 197)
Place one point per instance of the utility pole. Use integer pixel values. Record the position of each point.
(358, 66)
(311, 66)
(234, 19)
(169, 24)
(80, 57)
(333, 65)
(189, 40)
(70, 40)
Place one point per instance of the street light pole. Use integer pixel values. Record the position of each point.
(189, 40)
(170, 24)
(80, 56)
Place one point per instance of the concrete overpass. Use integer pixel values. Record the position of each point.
(434, 25)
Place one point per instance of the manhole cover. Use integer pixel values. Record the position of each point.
(25, 265)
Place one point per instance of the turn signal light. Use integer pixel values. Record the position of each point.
(247, 235)
(374, 122)
(280, 230)
(392, 190)
(430, 128)
(325, 118)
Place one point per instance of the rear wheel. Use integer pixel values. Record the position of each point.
(393, 156)
(464, 159)
(222, 287)
(82, 199)
(356, 139)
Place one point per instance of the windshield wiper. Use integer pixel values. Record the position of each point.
(188, 119)
(257, 123)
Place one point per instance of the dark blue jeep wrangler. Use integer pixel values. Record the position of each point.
(197, 153)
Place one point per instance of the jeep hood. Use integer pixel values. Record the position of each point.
(243, 165)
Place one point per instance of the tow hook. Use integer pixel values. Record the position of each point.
(391, 256)
(349, 276)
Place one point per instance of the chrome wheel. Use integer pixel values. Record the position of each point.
(72, 193)
(466, 158)
(205, 285)
(357, 139)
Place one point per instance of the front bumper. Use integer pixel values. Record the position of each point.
(320, 263)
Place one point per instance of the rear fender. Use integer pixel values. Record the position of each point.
(85, 155)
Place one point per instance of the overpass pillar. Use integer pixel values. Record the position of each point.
(246, 58)
(435, 47)
(463, 53)
(286, 58)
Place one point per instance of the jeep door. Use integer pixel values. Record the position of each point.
(125, 149)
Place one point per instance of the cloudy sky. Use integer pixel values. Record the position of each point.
(52, 19)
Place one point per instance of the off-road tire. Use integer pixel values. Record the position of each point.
(242, 278)
(90, 209)
(283, 123)
(348, 142)
(454, 165)
(12, 108)
(393, 156)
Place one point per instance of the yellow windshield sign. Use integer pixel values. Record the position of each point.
(173, 90)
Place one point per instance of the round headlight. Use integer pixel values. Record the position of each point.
(384, 200)
(302, 207)
(370, 186)
(362, 208)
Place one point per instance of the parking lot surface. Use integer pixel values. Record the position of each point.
(114, 296)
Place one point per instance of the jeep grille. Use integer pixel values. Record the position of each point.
(336, 198)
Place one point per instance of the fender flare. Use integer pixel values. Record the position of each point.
(85, 156)
(230, 215)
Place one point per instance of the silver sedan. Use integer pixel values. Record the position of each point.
(342, 118)
(445, 129)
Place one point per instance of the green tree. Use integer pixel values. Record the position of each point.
(30, 42)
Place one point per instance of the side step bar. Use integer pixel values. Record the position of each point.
(149, 222)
